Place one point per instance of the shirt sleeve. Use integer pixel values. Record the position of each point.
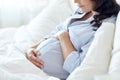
(75, 58)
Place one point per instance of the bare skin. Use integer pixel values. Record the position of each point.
(32, 53)
(63, 36)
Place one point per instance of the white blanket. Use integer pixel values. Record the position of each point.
(13, 63)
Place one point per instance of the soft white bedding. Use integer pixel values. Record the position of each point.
(4, 75)
(15, 66)
(13, 41)
(13, 63)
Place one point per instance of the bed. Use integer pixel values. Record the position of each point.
(15, 66)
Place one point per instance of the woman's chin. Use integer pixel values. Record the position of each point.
(83, 11)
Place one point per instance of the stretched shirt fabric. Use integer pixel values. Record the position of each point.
(81, 35)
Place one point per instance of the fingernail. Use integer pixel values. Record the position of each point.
(41, 67)
(38, 54)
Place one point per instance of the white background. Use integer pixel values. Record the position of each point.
(14, 13)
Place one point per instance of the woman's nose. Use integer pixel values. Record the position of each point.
(76, 1)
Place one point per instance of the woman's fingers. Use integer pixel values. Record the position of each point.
(36, 52)
(60, 33)
(39, 63)
(32, 56)
(33, 51)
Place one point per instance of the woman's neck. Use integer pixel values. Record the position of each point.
(87, 15)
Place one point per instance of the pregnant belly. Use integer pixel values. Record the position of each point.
(53, 59)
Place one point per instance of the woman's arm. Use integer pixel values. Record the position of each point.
(72, 57)
(66, 44)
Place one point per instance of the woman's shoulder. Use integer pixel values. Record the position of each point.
(111, 19)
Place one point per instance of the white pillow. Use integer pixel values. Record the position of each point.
(108, 77)
(115, 61)
(44, 22)
(117, 36)
(97, 59)
(49, 18)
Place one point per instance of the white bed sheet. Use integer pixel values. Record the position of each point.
(13, 63)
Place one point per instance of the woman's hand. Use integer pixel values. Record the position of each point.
(65, 42)
(60, 34)
(31, 55)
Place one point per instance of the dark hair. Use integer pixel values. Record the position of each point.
(106, 9)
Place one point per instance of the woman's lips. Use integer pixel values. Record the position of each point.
(81, 6)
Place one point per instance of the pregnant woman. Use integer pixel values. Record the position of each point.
(65, 47)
